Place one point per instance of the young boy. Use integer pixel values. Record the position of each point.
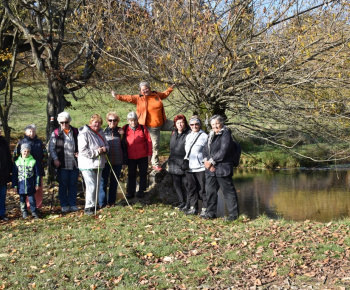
(26, 180)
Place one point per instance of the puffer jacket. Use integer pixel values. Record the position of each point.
(88, 144)
(141, 103)
(177, 151)
(37, 150)
(5, 162)
(25, 175)
(219, 148)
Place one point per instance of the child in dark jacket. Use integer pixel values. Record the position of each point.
(26, 180)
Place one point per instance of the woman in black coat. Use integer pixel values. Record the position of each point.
(176, 157)
(218, 162)
(5, 172)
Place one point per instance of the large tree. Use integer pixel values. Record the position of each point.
(66, 60)
(276, 69)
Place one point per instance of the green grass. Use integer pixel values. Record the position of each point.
(156, 246)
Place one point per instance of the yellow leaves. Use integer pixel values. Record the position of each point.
(5, 55)
(247, 70)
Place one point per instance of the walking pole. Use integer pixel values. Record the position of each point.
(98, 186)
(118, 182)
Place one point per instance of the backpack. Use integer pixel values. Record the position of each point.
(236, 154)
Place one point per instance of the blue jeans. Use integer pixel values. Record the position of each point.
(68, 186)
(3, 189)
(32, 202)
(110, 199)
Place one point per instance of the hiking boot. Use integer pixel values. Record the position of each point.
(24, 214)
(35, 215)
(203, 212)
(180, 206)
(231, 218)
(65, 209)
(73, 208)
(89, 211)
(191, 211)
(140, 194)
(185, 208)
(130, 195)
(208, 216)
(157, 168)
(4, 218)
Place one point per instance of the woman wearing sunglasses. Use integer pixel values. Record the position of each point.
(117, 158)
(195, 175)
(63, 149)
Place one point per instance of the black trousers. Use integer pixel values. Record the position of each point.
(213, 183)
(142, 164)
(196, 188)
(177, 182)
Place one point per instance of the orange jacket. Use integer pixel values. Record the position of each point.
(141, 103)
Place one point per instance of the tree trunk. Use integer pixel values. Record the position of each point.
(56, 103)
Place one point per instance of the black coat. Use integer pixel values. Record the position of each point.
(177, 151)
(37, 150)
(221, 151)
(5, 162)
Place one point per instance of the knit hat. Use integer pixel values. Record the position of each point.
(25, 146)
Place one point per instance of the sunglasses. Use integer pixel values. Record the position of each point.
(112, 120)
(196, 124)
(66, 122)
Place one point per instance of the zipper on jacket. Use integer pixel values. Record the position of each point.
(25, 176)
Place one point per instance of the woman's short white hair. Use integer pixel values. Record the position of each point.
(219, 118)
(132, 116)
(63, 116)
(145, 83)
(30, 127)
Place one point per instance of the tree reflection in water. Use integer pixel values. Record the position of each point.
(321, 195)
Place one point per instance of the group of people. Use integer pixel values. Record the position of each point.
(203, 163)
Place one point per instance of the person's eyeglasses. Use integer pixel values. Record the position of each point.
(196, 124)
(66, 122)
(112, 120)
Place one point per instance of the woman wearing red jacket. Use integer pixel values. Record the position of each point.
(139, 149)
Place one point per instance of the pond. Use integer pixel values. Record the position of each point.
(321, 195)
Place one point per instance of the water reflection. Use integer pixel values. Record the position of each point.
(321, 195)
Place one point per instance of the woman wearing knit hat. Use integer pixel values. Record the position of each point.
(63, 149)
(39, 153)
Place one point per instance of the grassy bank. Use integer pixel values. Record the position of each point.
(158, 247)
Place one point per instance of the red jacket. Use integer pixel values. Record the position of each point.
(138, 143)
(141, 103)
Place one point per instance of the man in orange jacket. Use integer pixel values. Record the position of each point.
(150, 112)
